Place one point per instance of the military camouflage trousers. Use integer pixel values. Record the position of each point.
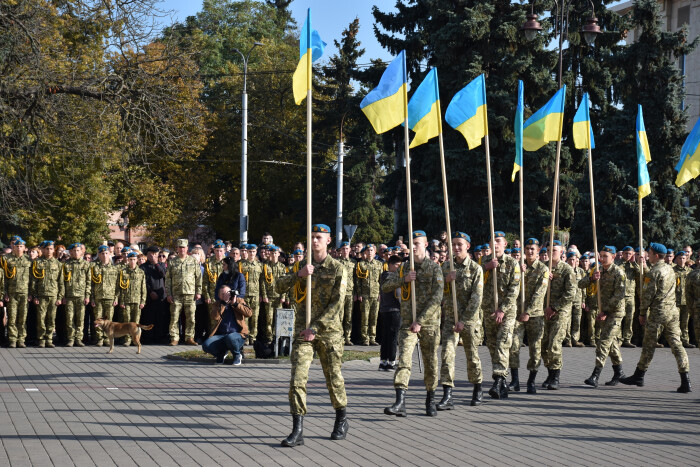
(45, 319)
(628, 319)
(253, 302)
(17, 318)
(330, 352)
(429, 342)
(668, 325)
(370, 311)
(75, 318)
(573, 328)
(182, 304)
(131, 313)
(471, 338)
(535, 330)
(270, 310)
(684, 313)
(499, 338)
(102, 309)
(696, 326)
(554, 333)
(347, 315)
(609, 341)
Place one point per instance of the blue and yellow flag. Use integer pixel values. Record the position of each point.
(385, 105)
(583, 130)
(467, 112)
(310, 49)
(518, 132)
(688, 167)
(424, 110)
(643, 156)
(546, 124)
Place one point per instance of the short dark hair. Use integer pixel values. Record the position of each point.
(394, 259)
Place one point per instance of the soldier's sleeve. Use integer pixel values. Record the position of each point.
(540, 291)
(689, 296)
(198, 280)
(205, 284)
(334, 309)
(648, 293)
(287, 281)
(513, 289)
(392, 282)
(585, 281)
(620, 288)
(61, 283)
(88, 281)
(435, 298)
(263, 290)
(476, 294)
(567, 296)
(143, 289)
(168, 283)
(32, 280)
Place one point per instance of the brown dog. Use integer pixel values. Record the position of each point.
(112, 330)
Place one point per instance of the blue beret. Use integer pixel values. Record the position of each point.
(19, 241)
(273, 248)
(251, 246)
(636, 250)
(342, 244)
(669, 250)
(48, 242)
(556, 243)
(507, 251)
(14, 237)
(499, 234)
(543, 249)
(532, 241)
(323, 228)
(477, 248)
(680, 252)
(419, 233)
(126, 249)
(363, 249)
(102, 248)
(297, 252)
(219, 244)
(370, 245)
(243, 246)
(42, 244)
(570, 254)
(658, 248)
(584, 256)
(132, 254)
(610, 249)
(515, 250)
(461, 235)
(628, 248)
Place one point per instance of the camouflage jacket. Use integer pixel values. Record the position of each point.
(562, 288)
(692, 291)
(16, 271)
(132, 286)
(536, 280)
(579, 274)
(429, 287)
(659, 292)
(104, 280)
(508, 281)
(328, 283)
(349, 265)
(271, 273)
(251, 270)
(212, 270)
(367, 278)
(469, 287)
(591, 290)
(46, 278)
(681, 278)
(183, 277)
(76, 278)
(631, 271)
(613, 289)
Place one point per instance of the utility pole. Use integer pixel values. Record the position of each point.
(339, 213)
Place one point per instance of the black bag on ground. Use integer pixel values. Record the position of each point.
(263, 349)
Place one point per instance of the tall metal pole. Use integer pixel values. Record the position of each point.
(339, 214)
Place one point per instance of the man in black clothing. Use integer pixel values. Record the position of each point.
(156, 310)
(389, 319)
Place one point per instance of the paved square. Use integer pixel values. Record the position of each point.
(71, 406)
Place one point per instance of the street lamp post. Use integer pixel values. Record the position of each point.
(244, 148)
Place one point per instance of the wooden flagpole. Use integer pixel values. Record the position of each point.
(522, 241)
(309, 252)
(551, 228)
(641, 251)
(491, 223)
(595, 235)
(450, 256)
(409, 208)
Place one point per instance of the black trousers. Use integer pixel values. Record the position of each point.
(388, 325)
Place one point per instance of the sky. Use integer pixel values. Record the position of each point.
(329, 17)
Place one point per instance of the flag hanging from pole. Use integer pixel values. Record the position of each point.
(688, 167)
(310, 49)
(424, 110)
(583, 129)
(467, 112)
(643, 156)
(518, 132)
(384, 106)
(546, 124)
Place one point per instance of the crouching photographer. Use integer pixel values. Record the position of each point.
(230, 330)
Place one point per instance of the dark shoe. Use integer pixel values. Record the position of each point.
(547, 381)
(20, 345)
(365, 342)
(41, 344)
(190, 341)
(504, 388)
(591, 343)
(340, 428)
(685, 384)
(531, 387)
(688, 345)
(576, 343)
(593, 380)
(629, 345)
(296, 437)
(554, 384)
(373, 342)
(566, 344)
(173, 342)
(50, 345)
(399, 407)
(496, 391)
(477, 395)
(616, 376)
(69, 344)
(446, 401)
(237, 359)
(391, 366)
(430, 409)
(515, 381)
(636, 379)
(348, 342)
(383, 366)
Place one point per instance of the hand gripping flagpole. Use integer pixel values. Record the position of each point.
(595, 235)
(409, 209)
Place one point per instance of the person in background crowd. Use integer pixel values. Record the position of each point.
(183, 285)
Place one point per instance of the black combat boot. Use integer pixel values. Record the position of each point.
(296, 437)
(430, 410)
(616, 376)
(477, 395)
(593, 380)
(497, 388)
(685, 383)
(446, 402)
(514, 381)
(636, 379)
(340, 428)
(554, 384)
(547, 381)
(504, 387)
(531, 388)
(399, 407)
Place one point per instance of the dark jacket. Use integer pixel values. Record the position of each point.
(233, 319)
(234, 279)
(155, 279)
(388, 300)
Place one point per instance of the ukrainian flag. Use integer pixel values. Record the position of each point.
(424, 110)
(643, 156)
(385, 105)
(467, 112)
(518, 132)
(546, 124)
(310, 49)
(583, 130)
(688, 167)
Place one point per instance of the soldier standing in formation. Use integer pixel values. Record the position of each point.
(16, 267)
(272, 271)
(251, 269)
(324, 334)
(367, 274)
(213, 267)
(682, 270)
(132, 292)
(105, 287)
(427, 284)
(76, 279)
(573, 330)
(183, 285)
(631, 270)
(46, 289)
(692, 297)
(349, 266)
(468, 281)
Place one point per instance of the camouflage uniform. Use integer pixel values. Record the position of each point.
(17, 271)
(592, 326)
(469, 286)
(272, 273)
(76, 282)
(536, 280)
(428, 288)
(684, 314)
(328, 283)
(132, 295)
(631, 270)
(367, 276)
(659, 307)
(46, 285)
(212, 270)
(499, 337)
(252, 270)
(183, 280)
(349, 266)
(573, 328)
(613, 293)
(105, 289)
(561, 294)
(692, 297)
